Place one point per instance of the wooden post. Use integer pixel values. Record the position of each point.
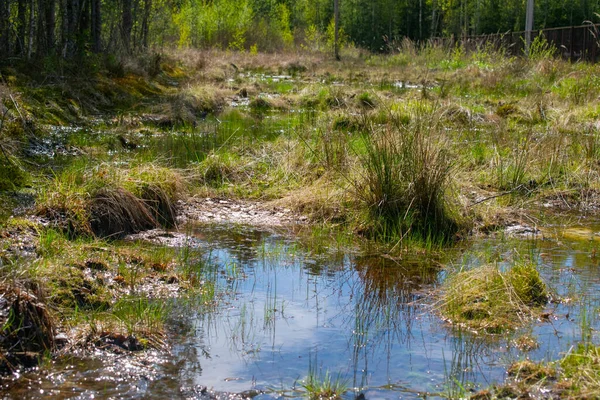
(528, 25)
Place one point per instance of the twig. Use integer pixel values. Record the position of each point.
(498, 195)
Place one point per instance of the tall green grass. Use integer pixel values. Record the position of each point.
(405, 177)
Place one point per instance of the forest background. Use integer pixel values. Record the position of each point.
(74, 28)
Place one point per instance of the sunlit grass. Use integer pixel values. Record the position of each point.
(319, 386)
(492, 300)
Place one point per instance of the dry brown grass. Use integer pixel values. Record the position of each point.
(28, 327)
(115, 212)
(321, 201)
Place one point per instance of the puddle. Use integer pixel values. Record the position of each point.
(286, 309)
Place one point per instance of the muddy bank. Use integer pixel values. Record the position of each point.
(228, 211)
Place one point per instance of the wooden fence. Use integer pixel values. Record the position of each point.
(574, 42)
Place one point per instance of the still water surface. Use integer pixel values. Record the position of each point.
(285, 310)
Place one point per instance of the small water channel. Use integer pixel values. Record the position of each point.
(284, 310)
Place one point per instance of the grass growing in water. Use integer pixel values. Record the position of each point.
(575, 376)
(404, 180)
(491, 300)
(320, 386)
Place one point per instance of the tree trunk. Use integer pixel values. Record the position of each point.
(4, 28)
(83, 31)
(31, 28)
(64, 27)
(126, 24)
(72, 15)
(433, 18)
(96, 27)
(42, 46)
(146, 22)
(21, 27)
(50, 17)
(420, 19)
(336, 19)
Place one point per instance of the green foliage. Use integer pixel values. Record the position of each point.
(140, 316)
(540, 49)
(366, 99)
(581, 366)
(455, 61)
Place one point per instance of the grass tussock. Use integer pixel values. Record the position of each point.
(27, 324)
(190, 105)
(575, 376)
(324, 387)
(109, 202)
(491, 300)
(405, 177)
(115, 212)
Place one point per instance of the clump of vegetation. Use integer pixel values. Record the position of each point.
(367, 100)
(260, 104)
(189, 106)
(404, 182)
(491, 300)
(101, 294)
(324, 387)
(159, 188)
(529, 372)
(575, 376)
(526, 343)
(27, 325)
(111, 203)
(580, 369)
(115, 212)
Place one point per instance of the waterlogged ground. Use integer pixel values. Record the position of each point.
(282, 310)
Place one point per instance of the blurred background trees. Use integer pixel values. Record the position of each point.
(33, 29)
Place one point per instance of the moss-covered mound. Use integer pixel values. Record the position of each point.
(491, 300)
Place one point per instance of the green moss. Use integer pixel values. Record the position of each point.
(488, 299)
(71, 289)
(12, 177)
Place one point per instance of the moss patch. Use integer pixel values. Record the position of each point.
(12, 177)
(492, 300)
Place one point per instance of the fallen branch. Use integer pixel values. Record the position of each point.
(521, 186)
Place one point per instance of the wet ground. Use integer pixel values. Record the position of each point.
(285, 310)
(230, 211)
